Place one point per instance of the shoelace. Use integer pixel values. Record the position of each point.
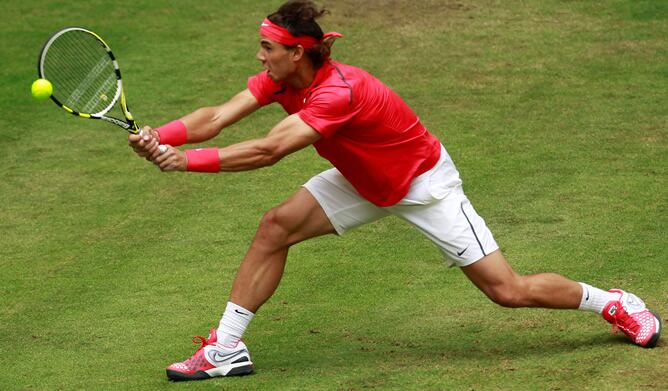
(625, 322)
(199, 340)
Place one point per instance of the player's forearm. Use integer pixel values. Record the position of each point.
(288, 136)
(244, 156)
(248, 155)
(207, 122)
(204, 124)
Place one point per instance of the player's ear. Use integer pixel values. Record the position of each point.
(297, 53)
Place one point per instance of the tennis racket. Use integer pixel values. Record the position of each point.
(86, 78)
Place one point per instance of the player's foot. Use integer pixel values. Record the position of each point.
(630, 315)
(212, 359)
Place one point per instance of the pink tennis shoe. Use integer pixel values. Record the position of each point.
(212, 359)
(630, 315)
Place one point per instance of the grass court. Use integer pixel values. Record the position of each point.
(555, 113)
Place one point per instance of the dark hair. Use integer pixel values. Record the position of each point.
(298, 16)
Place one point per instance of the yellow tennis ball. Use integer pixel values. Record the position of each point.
(41, 89)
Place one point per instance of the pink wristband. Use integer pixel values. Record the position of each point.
(203, 160)
(173, 133)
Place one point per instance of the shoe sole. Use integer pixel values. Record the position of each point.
(655, 338)
(240, 369)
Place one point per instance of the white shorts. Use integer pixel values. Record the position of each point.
(435, 204)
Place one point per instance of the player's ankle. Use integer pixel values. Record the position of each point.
(233, 324)
(595, 299)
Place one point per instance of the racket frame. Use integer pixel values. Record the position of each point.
(129, 124)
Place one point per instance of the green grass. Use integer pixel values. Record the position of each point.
(554, 111)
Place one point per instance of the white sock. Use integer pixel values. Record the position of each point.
(594, 299)
(233, 324)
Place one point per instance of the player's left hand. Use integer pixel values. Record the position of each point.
(145, 143)
(171, 160)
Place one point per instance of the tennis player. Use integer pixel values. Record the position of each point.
(385, 162)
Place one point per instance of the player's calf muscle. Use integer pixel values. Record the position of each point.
(545, 290)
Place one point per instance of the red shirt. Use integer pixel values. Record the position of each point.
(368, 133)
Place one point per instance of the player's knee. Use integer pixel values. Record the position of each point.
(506, 299)
(510, 295)
(273, 228)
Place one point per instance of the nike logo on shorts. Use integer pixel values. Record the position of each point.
(462, 252)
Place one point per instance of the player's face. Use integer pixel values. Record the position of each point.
(276, 59)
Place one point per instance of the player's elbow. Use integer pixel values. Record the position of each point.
(213, 120)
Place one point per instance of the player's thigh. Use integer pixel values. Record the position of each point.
(299, 217)
(343, 205)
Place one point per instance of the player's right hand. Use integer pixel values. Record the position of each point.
(145, 144)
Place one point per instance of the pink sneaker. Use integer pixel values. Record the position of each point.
(630, 315)
(212, 359)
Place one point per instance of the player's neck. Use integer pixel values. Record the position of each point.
(303, 76)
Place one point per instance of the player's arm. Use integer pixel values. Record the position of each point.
(207, 122)
(288, 136)
(201, 125)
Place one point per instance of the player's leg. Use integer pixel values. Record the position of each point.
(223, 353)
(495, 277)
(297, 219)
(451, 222)
(326, 204)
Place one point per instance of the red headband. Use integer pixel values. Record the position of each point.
(280, 34)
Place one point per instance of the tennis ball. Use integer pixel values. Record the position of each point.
(41, 89)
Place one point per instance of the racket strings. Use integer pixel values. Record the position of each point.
(82, 72)
(90, 90)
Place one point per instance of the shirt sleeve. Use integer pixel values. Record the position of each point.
(262, 87)
(327, 111)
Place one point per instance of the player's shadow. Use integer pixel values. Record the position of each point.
(481, 348)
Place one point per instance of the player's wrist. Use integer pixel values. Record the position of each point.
(173, 133)
(202, 160)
